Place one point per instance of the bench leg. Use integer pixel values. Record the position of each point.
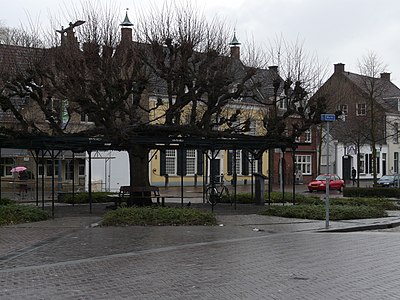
(162, 201)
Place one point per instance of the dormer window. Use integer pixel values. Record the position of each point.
(282, 103)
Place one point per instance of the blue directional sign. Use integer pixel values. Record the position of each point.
(328, 117)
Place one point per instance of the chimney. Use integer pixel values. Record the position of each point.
(385, 76)
(126, 35)
(235, 52)
(273, 68)
(235, 49)
(339, 68)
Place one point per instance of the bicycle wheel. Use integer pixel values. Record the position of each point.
(225, 195)
(212, 195)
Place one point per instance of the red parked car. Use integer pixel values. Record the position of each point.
(319, 183)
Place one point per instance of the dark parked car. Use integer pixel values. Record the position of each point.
(388, 181)
(319, 183)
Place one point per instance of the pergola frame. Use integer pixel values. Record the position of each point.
(50, 144)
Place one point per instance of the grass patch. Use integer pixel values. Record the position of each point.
(16, 214)
(157, 216)
(317, 212)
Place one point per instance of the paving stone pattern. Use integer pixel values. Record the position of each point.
(287, 260)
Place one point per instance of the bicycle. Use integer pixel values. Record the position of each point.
(215, 195)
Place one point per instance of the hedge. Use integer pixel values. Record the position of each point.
(276, 197)
(15, 214)
(82, 198)
(380, 203)
(379, 192)
(317, 212)
(157, 216)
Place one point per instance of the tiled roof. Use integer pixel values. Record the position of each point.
(14, 58)
(387, 92)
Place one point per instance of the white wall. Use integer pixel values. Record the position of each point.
(350, 150)
(110, 170)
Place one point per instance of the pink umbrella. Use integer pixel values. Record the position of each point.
(18, 169)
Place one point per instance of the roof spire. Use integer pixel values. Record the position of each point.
(234, 41)
(126, 21)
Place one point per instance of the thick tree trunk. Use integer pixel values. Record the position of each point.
(139, 174)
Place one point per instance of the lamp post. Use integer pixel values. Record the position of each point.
(327, 118)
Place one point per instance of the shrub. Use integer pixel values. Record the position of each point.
(276, 197)
(83, 198)
(371, 192)
(15, 214)
(243, 198)
(317, 212)
(372, 202)
(6, 201)
(157, 216)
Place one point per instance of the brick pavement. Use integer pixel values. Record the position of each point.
(288, 260)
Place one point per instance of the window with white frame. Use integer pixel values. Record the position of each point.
(368, 163)
(81, 166)
(395, 133)
(344, 108)
(49, 167)
(191, 162)
(238, 162)
(253, 127)
(7, 164)
(362, 163)
(253, 162)
(282, 103)
(297, 139)
(170, 162)
(307, 136)
(85, 118)
(396, 162)
(361, 109)
(303, 163)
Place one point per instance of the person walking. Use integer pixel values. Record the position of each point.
(353, 175)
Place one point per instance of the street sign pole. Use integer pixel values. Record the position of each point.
(327, 118)
(327, 178)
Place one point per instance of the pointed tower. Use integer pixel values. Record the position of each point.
(126, 30)
(235, 49)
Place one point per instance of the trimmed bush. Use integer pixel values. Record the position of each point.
(372, 202)
(83, 198)
(371, 192)
(15, 214)
(157, 216)
(243, 198)
(276, 197)
(317, 212)
(6, 201)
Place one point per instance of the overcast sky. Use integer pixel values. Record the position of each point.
(337, 30)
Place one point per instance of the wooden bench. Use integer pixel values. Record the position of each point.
(138, 193)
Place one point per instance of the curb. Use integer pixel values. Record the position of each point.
(364, 227)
